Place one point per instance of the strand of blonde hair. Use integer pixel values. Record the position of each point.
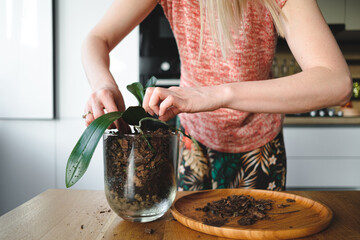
(223, 16)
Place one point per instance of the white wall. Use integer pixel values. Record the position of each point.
(33, 153)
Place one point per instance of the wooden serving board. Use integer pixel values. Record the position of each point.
(302, 218)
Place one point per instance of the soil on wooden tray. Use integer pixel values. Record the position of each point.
(251, 210)
(153, 171)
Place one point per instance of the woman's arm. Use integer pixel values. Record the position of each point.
(120, 19)
(325, 80)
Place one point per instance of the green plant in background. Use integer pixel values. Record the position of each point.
(356, 89)
(83, 151)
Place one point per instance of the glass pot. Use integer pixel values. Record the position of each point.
(140, 183)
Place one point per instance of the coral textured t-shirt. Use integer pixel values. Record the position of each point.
(225, 130)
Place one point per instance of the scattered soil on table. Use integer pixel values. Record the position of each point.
(153, 173)
(149, 230)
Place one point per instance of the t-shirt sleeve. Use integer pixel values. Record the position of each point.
(164, 4)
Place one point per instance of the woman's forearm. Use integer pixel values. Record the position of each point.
(96, 62)
(314, 88)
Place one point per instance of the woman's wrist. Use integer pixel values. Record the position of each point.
(224, 95)
(104, 84)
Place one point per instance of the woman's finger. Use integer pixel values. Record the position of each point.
(107, 100)
(97, 107)
(89, 118)
(158, 95)
(123, 127)
(169, 114)
(145, 105)
(110, 106)
(167, 103)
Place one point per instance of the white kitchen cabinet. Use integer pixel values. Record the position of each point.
(352, 16)
(27, 161)
(26, 59)
(322, 157)
(323, 172)
(333, 10)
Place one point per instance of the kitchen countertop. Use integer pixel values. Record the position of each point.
(321, 121)
(85, 214)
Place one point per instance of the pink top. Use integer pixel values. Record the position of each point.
(225, 130)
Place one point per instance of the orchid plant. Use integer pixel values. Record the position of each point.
(83, 151)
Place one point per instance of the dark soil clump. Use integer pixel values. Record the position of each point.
(215, 222)
(283, 205)
(249, 220)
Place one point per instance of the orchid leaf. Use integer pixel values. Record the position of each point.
(151, 82)
(133, 115)
(83, 151)
(137, 90)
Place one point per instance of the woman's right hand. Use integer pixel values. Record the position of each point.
(107, 99)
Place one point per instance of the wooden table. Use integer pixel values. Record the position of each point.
(83, 214)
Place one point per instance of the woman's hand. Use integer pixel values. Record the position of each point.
(119, 20)
(168, 102)
(109, 99)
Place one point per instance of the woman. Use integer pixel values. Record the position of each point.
(227, 99)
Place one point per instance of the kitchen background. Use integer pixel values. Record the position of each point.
(35, 142)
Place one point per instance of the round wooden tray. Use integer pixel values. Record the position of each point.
(302, 218)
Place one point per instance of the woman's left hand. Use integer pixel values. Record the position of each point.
(168, 102)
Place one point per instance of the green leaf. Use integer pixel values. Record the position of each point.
(133, 115)
(151, 82)
(150, 123)
(137, 90)
(142, 121)
(80, 156)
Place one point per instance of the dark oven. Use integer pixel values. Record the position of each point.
(158, 51)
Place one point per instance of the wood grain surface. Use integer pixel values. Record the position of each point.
(301, 218)
(83, 214)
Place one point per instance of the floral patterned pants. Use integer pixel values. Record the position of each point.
(203, 168)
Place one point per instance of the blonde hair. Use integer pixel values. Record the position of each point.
(223, 16)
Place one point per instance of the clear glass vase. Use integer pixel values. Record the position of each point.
(140, 170)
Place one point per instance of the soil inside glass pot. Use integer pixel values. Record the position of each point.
(139, 173)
